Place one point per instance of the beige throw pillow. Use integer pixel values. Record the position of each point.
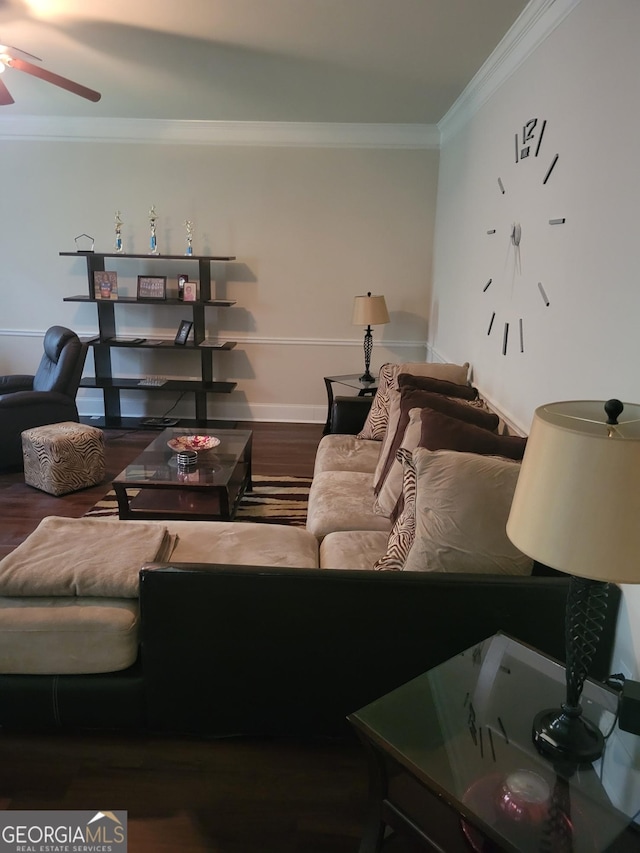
(461, 507)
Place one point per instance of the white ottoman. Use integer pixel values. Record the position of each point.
(63, 458)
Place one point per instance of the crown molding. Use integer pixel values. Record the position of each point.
(536, 22)
(250, 133)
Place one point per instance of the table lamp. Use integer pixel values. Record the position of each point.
(576, 508)
(369, 311)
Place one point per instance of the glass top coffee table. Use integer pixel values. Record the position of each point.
(155, 486)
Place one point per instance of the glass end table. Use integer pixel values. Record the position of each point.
(348, 380)
(453, 766)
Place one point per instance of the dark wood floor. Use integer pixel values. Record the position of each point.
(189, 795)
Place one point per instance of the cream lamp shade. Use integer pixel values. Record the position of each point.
(576, 506)
(369, 311)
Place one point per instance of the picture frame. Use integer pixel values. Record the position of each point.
(152, 287)
(182, 279)
(183, 332)
(190, 291)
(105, 285)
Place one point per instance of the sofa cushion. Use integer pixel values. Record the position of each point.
(376, 423)
(246, 543)
(67, 636)
(387, 482)
(353, 549)
(461, 510)
(346, 453)
(342, 500)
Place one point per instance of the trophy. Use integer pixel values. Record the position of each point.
(189, 226)
(153, 243)
(118, 243)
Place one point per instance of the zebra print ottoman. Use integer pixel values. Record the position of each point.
(63, 458)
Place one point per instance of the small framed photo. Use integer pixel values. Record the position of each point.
(105, 285)
(183, 332)
(182, 279)
(152, 287)
(190, 291)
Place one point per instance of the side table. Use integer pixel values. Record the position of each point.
(350, 380)
(453, 767)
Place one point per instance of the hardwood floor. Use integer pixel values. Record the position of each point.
(195, 796)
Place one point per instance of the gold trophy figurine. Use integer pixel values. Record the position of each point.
(118, 243)
(189, 226)
(153, 242)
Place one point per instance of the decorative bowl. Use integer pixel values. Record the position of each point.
(193, 442)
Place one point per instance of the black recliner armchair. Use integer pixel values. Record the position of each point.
(49, 397)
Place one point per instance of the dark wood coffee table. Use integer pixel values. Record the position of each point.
(153, 486)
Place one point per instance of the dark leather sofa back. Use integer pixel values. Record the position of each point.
(243, 650)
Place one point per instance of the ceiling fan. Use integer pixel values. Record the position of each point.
(8, 59)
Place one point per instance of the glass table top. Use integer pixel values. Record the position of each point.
(158, 463)
(464, 729)
(352, 380)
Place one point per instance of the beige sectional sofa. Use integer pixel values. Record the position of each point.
(242, 630)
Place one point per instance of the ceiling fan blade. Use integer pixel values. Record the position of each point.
(5, 96)
(56, 79)
(5, 47)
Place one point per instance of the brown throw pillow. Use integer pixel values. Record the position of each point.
(414, 398)
(441, 432)
(437, 386)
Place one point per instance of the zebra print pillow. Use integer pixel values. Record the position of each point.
(403, 531)
(376, 423)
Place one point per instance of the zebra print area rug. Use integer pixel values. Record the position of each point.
(274, 500)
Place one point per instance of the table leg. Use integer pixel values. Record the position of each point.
(375, 824)
(123, 501)
(329, 386)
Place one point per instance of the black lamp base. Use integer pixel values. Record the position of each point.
(560, 735)
(367, 377)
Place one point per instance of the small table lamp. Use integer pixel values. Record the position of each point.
(369, 311)
(576, 508)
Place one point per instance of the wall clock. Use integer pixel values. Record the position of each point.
(518, 237)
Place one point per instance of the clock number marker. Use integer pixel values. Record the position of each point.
(492, 231)
(544, 124)
(557, 221)
(501, 185)
(487, 285)
(545, 298)
(517, 147)
(493, 317)
(550, 169)
(505, 338)
(521, 335)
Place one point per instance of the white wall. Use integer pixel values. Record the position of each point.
(311, 227)
(584, 80)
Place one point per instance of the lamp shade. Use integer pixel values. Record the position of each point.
(576, 506)
(369, 311)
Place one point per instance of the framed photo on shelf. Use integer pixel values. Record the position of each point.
(190, 291)
(183, 332)
(152, 287)
(182, 278)
(105, 285)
